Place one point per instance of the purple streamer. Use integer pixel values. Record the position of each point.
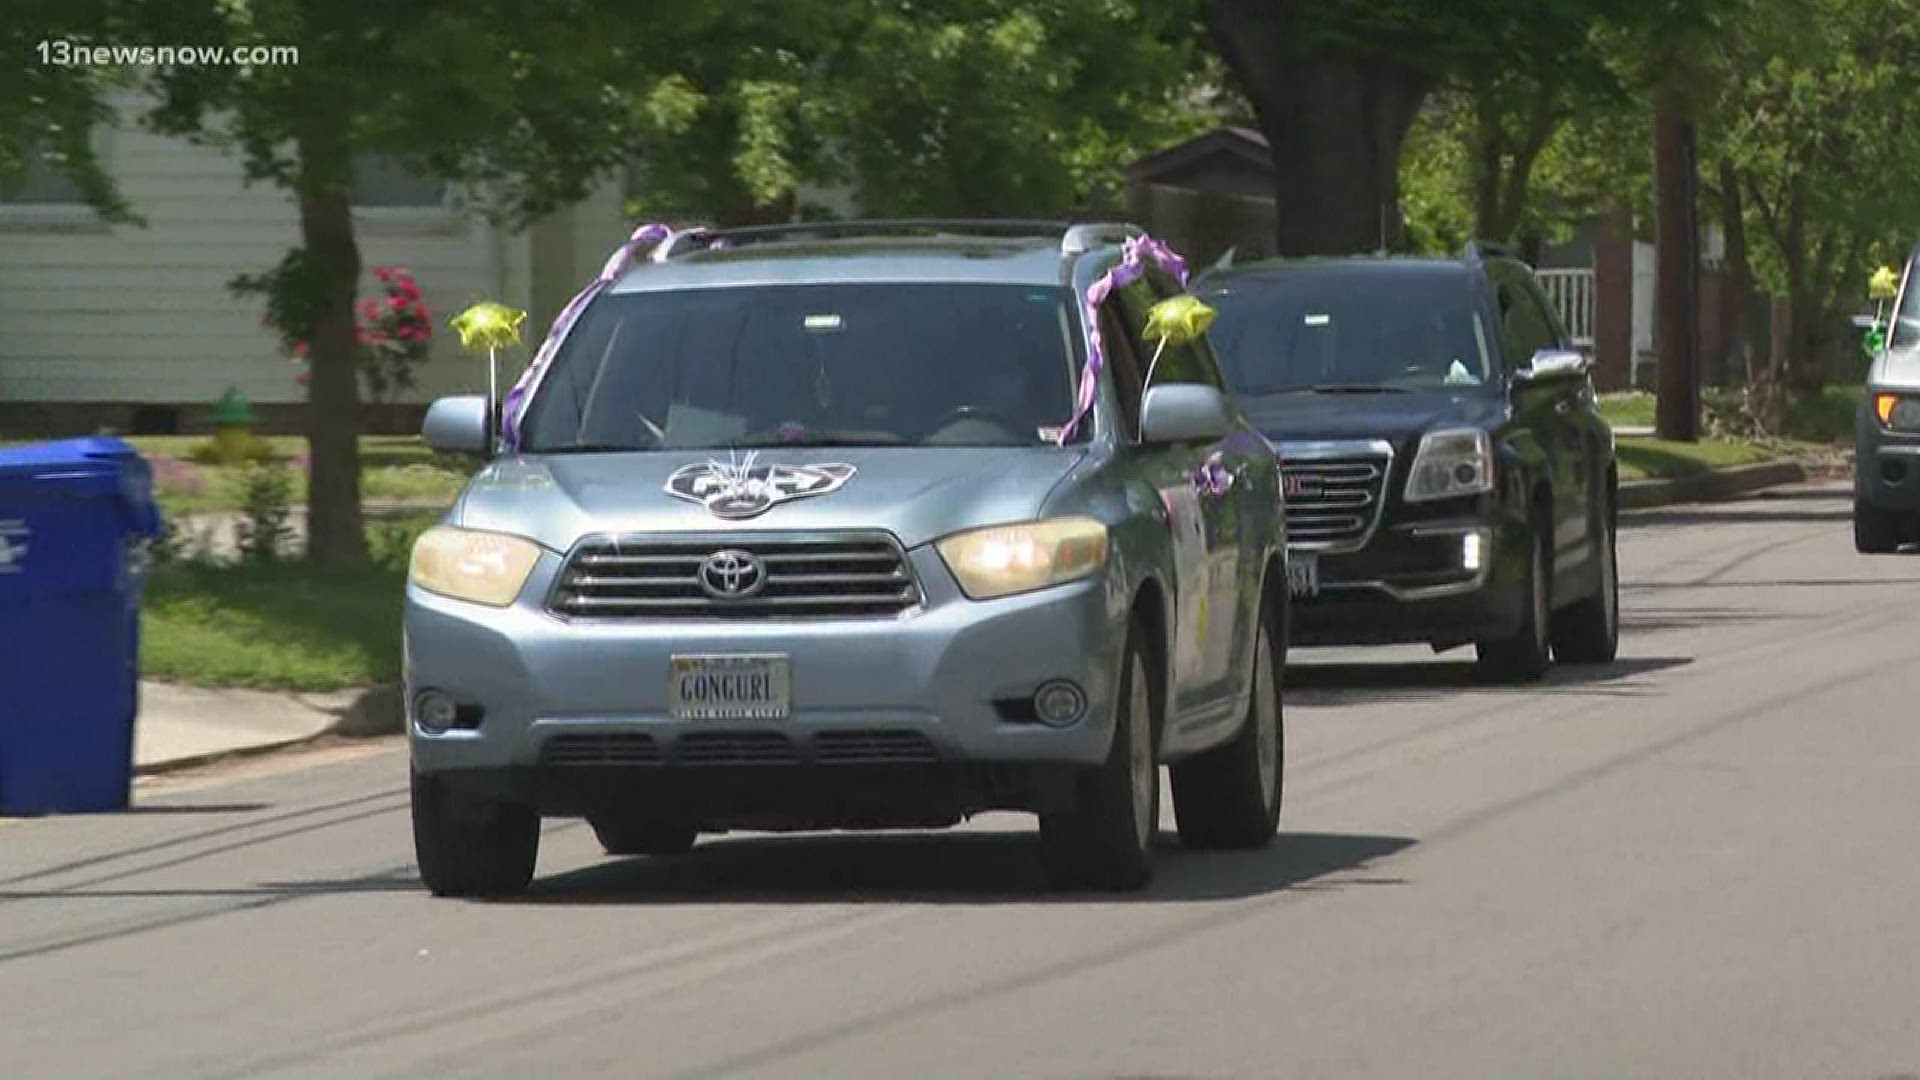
(644, 237)
(1211, 477)
(1134, 255)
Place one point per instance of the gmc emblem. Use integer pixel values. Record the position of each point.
(1293, 485)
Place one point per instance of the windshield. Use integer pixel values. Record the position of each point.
(820, 365)
(1349, 331)
(1905, 332)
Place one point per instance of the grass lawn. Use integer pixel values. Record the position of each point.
(1824, 419)
(285, 626)
(1658, 459)
(1630, 408)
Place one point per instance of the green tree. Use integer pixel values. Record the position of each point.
(1816, 136)
(515, 100)
(1338, 85)
(50, 109)
(928, 107)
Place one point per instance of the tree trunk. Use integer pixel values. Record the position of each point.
(1335, 122)
(336, 534)
(1676, 309)
(1744, 321)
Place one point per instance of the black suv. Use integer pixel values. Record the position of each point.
(1446, 474)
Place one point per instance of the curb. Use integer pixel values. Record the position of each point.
(377, 712)
(213, 757)
(1710, 486)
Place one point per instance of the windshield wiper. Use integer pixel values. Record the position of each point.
(826, 439)
(1352, 388)
(591, 448)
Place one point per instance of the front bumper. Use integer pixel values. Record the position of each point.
(1417, 582)
(937, 681)
(1886, 465)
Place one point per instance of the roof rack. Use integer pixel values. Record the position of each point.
(1479, 250)
(1075, 238)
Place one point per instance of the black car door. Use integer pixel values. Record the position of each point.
(1541, 408)
(1586, 437)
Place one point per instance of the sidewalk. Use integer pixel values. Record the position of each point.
(180, 726)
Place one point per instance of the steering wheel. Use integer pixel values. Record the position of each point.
(975, 412)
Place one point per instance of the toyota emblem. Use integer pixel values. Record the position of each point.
(732, 574)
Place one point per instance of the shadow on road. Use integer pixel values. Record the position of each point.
(948, 868)
(1353, 683)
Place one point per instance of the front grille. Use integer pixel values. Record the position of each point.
(609, 748)
(1333, 503)
(873, 748)
(735, 748)
(835, 576)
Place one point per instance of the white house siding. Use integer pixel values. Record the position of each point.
(143, 314)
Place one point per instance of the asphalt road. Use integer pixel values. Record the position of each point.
(1703, 861)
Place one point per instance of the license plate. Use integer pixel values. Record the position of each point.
(730, 687)
(1303, 575)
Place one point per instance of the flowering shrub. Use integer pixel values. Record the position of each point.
(175, 476)
(393, 332)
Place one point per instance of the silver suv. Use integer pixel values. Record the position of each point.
(837, 526)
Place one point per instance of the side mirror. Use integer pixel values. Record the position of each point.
(1184, 412)
(457, 425)
(1554, 365)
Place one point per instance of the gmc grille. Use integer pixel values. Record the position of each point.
(835, 576)
(1333, 503)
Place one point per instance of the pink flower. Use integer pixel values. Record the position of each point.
(384, 273)
(303, 378)
(361, 336)
(369, 309)
(299, 348)
(396, 301)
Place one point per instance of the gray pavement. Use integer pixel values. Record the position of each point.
(1697, 862)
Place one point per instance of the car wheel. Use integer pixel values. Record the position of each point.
(1589, 632)
(623, 837)
(1875, 531)
(1229, 797)
(1523, 657)
(1106, 840)
(469, 846)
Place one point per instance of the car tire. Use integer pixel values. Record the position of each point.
(1523, 657)
(1105, 842)
(470, 846)
(1875, 531)
(1228, 798)
(621, 837)
(1589, 632)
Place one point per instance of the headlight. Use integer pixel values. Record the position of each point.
(481, 567)
(1451, 463)
(1007, 559)
(1896, 412)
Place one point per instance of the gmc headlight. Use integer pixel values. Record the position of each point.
(1006, 559)
(1451, 463)
(1896, 412)
(479, 567)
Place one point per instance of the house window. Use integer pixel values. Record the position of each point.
(41, 185)
(380, 180)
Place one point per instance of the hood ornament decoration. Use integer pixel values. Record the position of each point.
(736, 490)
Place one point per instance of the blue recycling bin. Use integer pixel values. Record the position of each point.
(72, 514)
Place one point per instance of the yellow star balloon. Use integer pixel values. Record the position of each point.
(488, 325)
(1178, 320)
(1884, 285)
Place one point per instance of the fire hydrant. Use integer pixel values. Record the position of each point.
(233, 420)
